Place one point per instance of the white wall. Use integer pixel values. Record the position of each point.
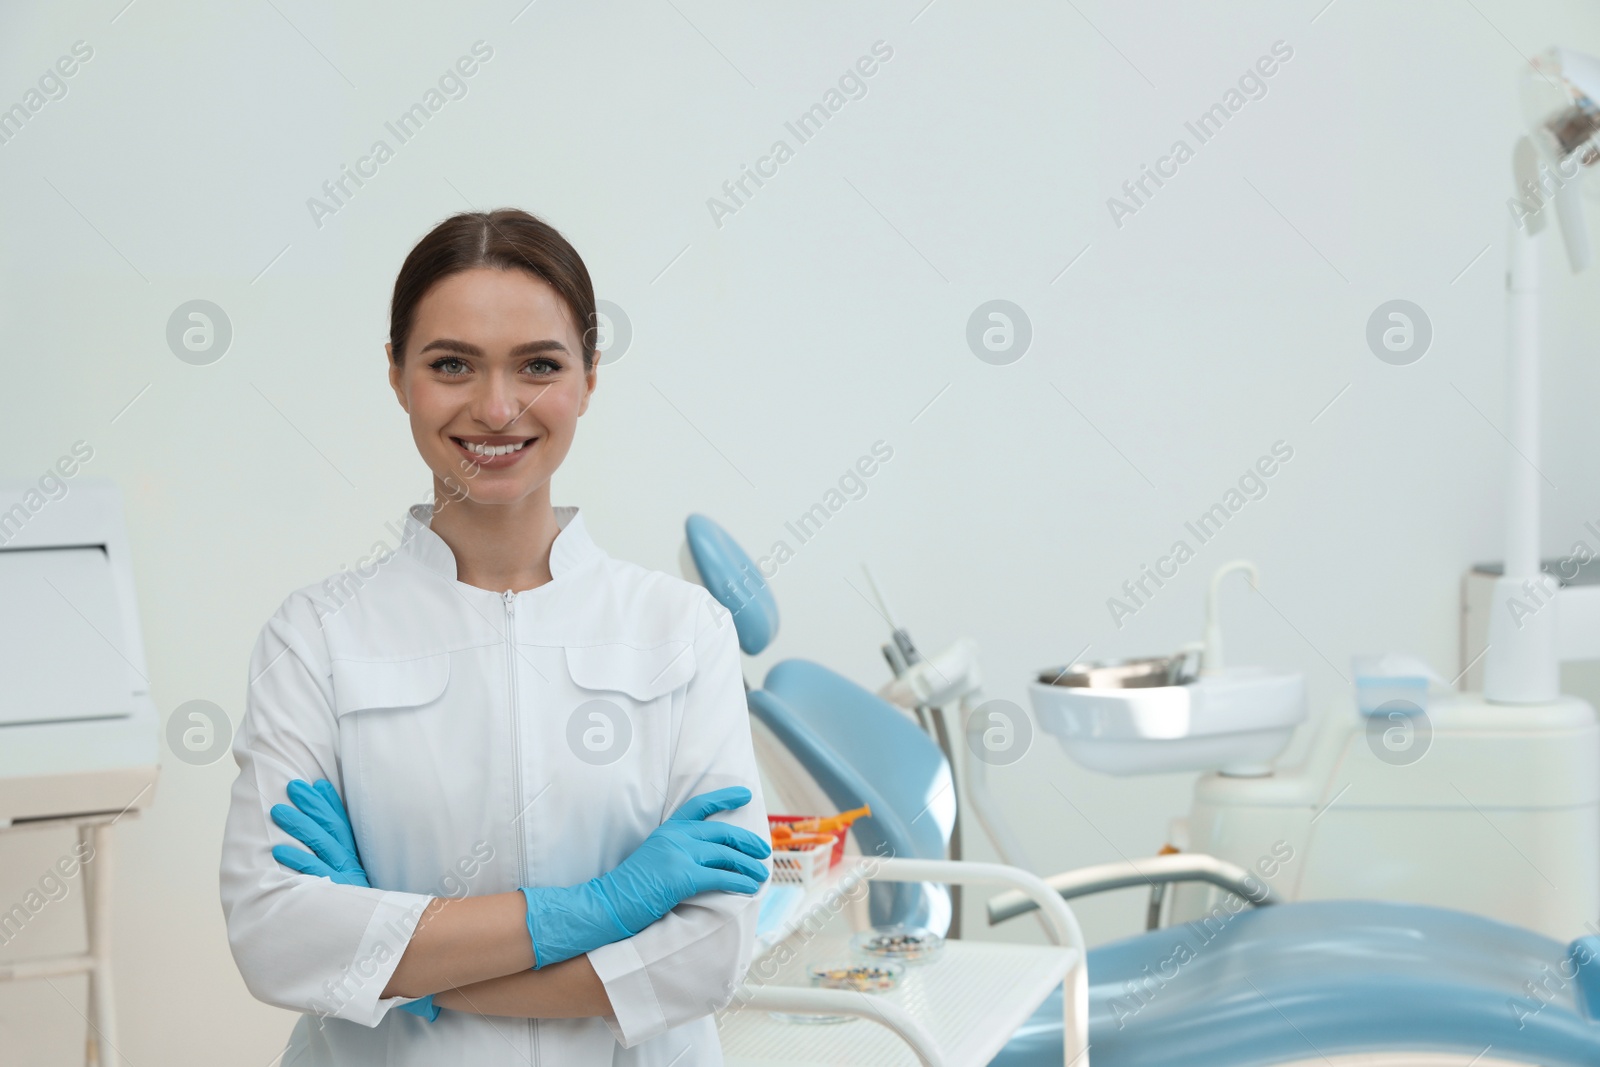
(769, 353)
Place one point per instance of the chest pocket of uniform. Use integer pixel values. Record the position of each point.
(622, 725)
(642, 673)
(359, 685)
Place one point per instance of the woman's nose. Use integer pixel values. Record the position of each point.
(503, 400)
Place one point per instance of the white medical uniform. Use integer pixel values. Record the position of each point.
(484, 741)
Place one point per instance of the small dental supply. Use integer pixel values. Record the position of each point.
(784, 837)
(832, 822)
(1394, 682)
(909, 944)
(857, 977)
(806, 847)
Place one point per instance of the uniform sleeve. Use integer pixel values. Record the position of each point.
(301, 942)
(688, 964)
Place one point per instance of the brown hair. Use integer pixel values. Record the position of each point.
(506, 238)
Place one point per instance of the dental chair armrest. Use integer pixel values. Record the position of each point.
(1032, 890)
(1061, 925)
(800, 1001)
(1156, 870)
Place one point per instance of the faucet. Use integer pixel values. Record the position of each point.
(1211, 653)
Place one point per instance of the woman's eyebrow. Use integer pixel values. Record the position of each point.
(527, 348)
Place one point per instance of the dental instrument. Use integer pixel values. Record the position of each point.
(950, 686)
(926, 690)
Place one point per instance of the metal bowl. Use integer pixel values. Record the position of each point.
(1141, 673)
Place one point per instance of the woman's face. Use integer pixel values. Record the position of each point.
(494, 360)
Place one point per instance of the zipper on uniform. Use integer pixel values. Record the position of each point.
(516, 772)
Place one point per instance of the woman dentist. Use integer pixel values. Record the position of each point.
(553, 839)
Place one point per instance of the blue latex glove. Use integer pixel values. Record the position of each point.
(682, 857)
(318, 820)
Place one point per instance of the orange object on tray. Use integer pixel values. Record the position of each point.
(808, 831)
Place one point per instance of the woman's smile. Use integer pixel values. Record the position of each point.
(493, 452)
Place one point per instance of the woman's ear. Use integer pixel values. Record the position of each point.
(591, 378)
(395, 373)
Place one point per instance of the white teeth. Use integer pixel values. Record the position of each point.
(489, 451)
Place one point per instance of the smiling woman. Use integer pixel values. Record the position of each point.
(491, 352)
(453, 691)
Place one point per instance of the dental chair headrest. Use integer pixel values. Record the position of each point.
(728, 575)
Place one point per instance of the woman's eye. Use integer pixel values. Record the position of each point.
(453, 361)
(543, 367)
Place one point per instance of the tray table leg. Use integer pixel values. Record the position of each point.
(101, 1044)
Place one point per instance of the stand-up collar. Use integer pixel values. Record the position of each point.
(571, 549)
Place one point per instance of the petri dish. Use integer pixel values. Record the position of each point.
(906, 944)
(857, 976)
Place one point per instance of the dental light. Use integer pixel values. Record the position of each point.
(1560, 94)
(1561, 100)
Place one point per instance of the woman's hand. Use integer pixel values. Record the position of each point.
(681, 858)
(318, 820)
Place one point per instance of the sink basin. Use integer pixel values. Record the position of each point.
(1236, 722)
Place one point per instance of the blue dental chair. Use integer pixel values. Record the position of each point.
(1273, 985)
